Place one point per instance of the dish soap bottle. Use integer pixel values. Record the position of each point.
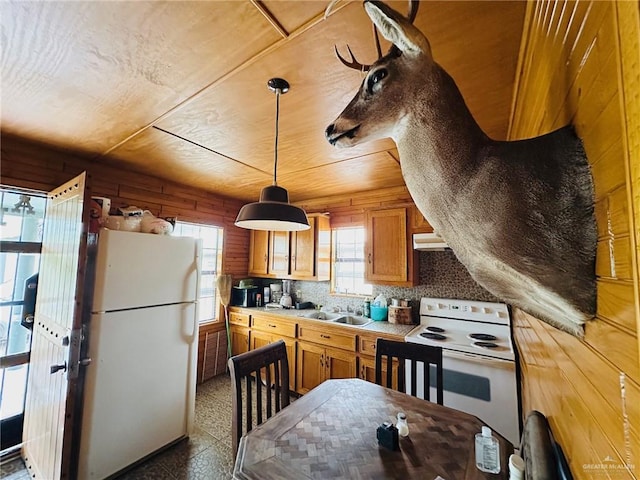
(487, 451)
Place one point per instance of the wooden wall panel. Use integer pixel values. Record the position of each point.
(579, 64)
(38, 167)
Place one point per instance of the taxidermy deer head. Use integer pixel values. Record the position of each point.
(518, 215)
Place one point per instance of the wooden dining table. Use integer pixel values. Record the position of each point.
(330, 433)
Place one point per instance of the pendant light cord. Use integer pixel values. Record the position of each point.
(275, 163)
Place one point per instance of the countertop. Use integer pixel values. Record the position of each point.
(373, 327)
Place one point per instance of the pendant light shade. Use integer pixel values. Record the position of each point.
(273, 211)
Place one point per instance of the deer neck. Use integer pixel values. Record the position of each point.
(439, 142)
(438, 139)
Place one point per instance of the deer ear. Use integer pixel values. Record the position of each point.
(396, 29)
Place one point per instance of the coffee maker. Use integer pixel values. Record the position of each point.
(276, 292)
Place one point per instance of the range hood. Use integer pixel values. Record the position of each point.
(428, 241)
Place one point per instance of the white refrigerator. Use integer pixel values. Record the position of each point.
(139, 392)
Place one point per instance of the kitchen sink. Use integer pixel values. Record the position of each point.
(352, 320)
(323, 316)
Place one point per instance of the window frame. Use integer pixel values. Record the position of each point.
(334, 260)
(218, 250)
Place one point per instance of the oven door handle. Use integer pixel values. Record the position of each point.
(484, 360)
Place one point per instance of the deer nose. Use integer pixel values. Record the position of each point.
(329, 131)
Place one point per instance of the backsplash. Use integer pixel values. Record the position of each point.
(441, 275)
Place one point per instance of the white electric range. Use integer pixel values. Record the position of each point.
(478, 359)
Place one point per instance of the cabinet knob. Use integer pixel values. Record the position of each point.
(369, 258)
(322, 360)
(322, 335)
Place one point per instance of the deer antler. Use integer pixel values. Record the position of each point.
(353, 63)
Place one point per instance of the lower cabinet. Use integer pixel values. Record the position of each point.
(367, 371)
(367, 361)
(239, 339)
(317, 363)
(259, 339)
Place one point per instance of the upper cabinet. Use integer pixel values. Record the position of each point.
(258, 253)
(304, 255)
(279, 254)
(390, 258)
(417, 223)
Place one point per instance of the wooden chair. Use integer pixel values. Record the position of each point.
(414, 352)
(543, 457)
(269, 363)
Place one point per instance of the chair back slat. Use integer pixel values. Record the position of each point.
(265, 366)
(415, 353)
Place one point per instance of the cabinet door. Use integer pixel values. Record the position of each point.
(367, 369)
(311, 367)
(340, 364)
(387, 245)
(239, 339)
(303, 252)
(419, 224)
(258, 253)
(279, 253)
(368, 372)
(260, 339)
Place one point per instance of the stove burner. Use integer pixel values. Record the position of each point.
(482, 336)
(485, 344)
(435, 329)
(433, 336)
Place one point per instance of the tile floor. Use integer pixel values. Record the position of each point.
(206, 455)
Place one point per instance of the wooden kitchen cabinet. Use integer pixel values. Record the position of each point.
(390, 258)
(367, 371)
(239, 318)
(311, 250)
(317, 363)
(367, 359)
(417, 223)
(239, 339)
(260, 339)
(304, 255)
(259, 253)
(324, 353)
(267, 329)
(239, 332)
(279, 254)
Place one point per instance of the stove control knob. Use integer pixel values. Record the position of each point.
(486, 310)
(441, 306)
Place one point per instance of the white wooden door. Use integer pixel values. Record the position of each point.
(52, 403)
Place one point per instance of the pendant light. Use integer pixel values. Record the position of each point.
(273, 211)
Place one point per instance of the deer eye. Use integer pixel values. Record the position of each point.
(375, 78)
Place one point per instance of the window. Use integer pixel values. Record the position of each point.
(209, 300)
(348, 262)
(21, 227)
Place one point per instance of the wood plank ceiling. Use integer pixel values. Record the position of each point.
(178, 89)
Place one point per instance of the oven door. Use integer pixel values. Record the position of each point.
(482, 386)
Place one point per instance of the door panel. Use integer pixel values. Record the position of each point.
(311, 370)
(340, 364)
(303, 252)
(52, 394)
(279, 253)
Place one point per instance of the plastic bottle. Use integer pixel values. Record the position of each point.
(516, 467)
(401, 425)
(487, 452)
(366, 311)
